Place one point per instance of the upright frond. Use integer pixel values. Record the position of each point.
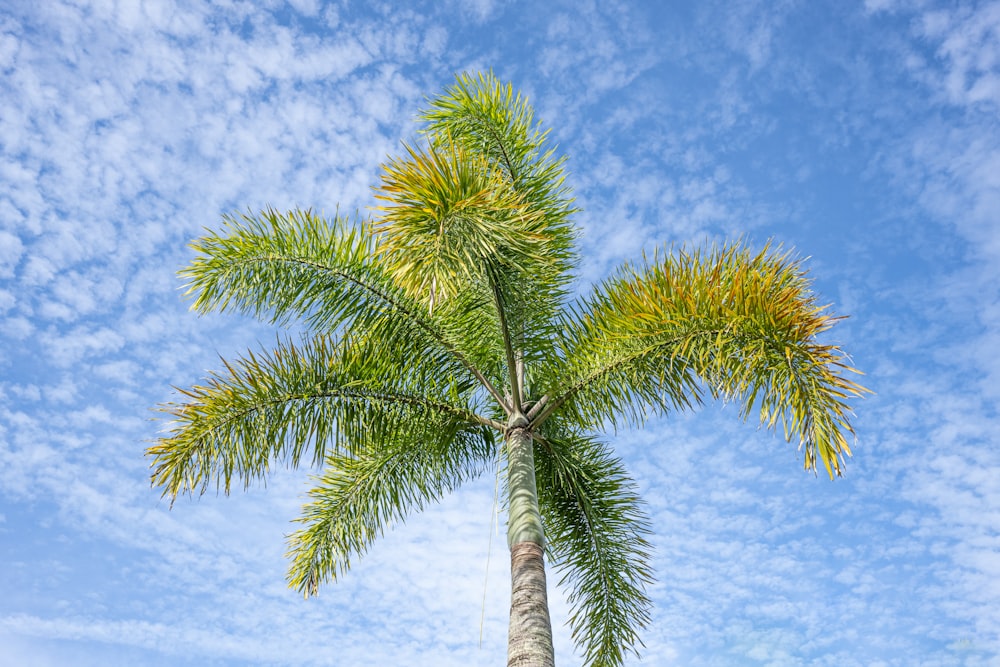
(489, 119)
(490, 122)
(447, 218)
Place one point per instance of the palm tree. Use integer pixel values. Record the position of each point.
(441, 338)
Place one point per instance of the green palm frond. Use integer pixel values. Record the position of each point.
(469, 319)
(360, 495)
(744, 325)
(597, 532)
(292, 402)
(297, 265)
(488, 120)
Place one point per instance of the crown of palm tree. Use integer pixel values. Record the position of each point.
(443, 325)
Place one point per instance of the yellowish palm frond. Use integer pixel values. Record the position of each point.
(446, 219)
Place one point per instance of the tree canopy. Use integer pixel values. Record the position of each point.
(444, 325)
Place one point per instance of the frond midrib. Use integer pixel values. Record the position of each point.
(411, 315)
(552, 405)
(373, 396)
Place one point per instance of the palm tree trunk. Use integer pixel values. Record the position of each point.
(529, 639)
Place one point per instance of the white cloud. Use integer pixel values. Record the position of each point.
(970, 43)
(127, 128)
(11, 251)
(307, 7)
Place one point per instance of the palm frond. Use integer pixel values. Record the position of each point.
(745, 325)
(360, 495)
(469, 319)
(488, 121)
(446, 218)
(596, 530)
(293, 402)
(297, 265)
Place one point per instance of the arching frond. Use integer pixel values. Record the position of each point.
(296, 402)
(744, 324)
(296, 265)
(360, 495)
(596, 530)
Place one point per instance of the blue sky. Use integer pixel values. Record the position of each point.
(865, 135)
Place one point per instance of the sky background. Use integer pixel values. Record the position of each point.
(865, 135)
